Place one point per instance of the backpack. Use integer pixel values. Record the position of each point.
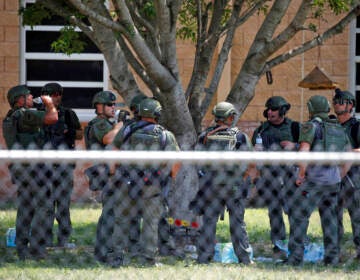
(9, 127)
(329, 136)
(222, 139)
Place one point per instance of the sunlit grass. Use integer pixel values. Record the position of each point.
(80, 264)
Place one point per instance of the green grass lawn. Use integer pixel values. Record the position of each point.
(79, 263)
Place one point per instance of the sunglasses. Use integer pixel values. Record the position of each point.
(339, 101)
(110, 104)
(274, 108)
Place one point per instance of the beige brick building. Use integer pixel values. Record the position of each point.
(337, 57)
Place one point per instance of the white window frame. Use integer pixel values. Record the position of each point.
(84, 115)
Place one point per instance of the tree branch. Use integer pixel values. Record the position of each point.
(154, 68)
(223, 56)
(57, 9)
(335, 29)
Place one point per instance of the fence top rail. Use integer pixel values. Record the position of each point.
(191, 157)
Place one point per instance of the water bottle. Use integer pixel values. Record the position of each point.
(258, 143)
(11, 237)
(38, 100)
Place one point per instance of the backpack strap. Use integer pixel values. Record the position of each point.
(354, 133)
(134, 128)
(212, 132)
(295, 130)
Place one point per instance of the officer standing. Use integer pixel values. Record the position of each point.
(276, 183)
(344, 107)
(62, 136)
(222, 186)
(142, 194)
(318, 185)
(99, 133)
(23, 129)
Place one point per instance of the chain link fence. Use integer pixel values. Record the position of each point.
(143, 212)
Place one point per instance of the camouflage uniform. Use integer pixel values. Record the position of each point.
(32, 180)
(276, 183)
(61, 136)
(222, 187)
(349, 196)
(94, 133)
(142, 193)
(321, 186)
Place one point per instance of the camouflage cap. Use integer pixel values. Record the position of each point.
(15, 92)
(51, 88)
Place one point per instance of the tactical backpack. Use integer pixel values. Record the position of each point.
(329, 136)
(9, 127)
(221, 139)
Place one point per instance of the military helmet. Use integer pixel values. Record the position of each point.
(103, 97)
(318, 104)
(150, 108)
(224, 109)
(341, 96)
(51, 88)
(15, 92)
(277, 103)
(135, 101)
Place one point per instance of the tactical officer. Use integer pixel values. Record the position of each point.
(318, 185)
(23, 129)
(134, 231)
(275, 185)
(99, 133)
(344, 107)
(61, 135)
(222, 187)
(141, 195)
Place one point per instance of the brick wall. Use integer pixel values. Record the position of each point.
(332, 57)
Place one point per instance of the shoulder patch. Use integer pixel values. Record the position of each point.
(101, 126)
(306, 127)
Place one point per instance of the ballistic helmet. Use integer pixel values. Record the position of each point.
(222, 110)
(103, 97)
(135, 102)
(278, 103)
(15, 92)
(150, 108)
(51, 88)
(318, 104)
(344, 96)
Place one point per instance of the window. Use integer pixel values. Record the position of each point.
(355, 61)
(81, 75)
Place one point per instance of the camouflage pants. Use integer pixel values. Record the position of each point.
(275, 189)
(306, 198)
(33, 208)
(62, 186)
(239, 237)
(349, 199)
(150, 208)
(105, 226)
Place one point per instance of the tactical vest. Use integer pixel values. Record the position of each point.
(89, 135)
(221, 139)
(144, 136)
(55, 132)
(329, 136)
(272, 135)
(18, 129)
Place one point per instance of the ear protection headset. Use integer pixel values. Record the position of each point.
(282, 110)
